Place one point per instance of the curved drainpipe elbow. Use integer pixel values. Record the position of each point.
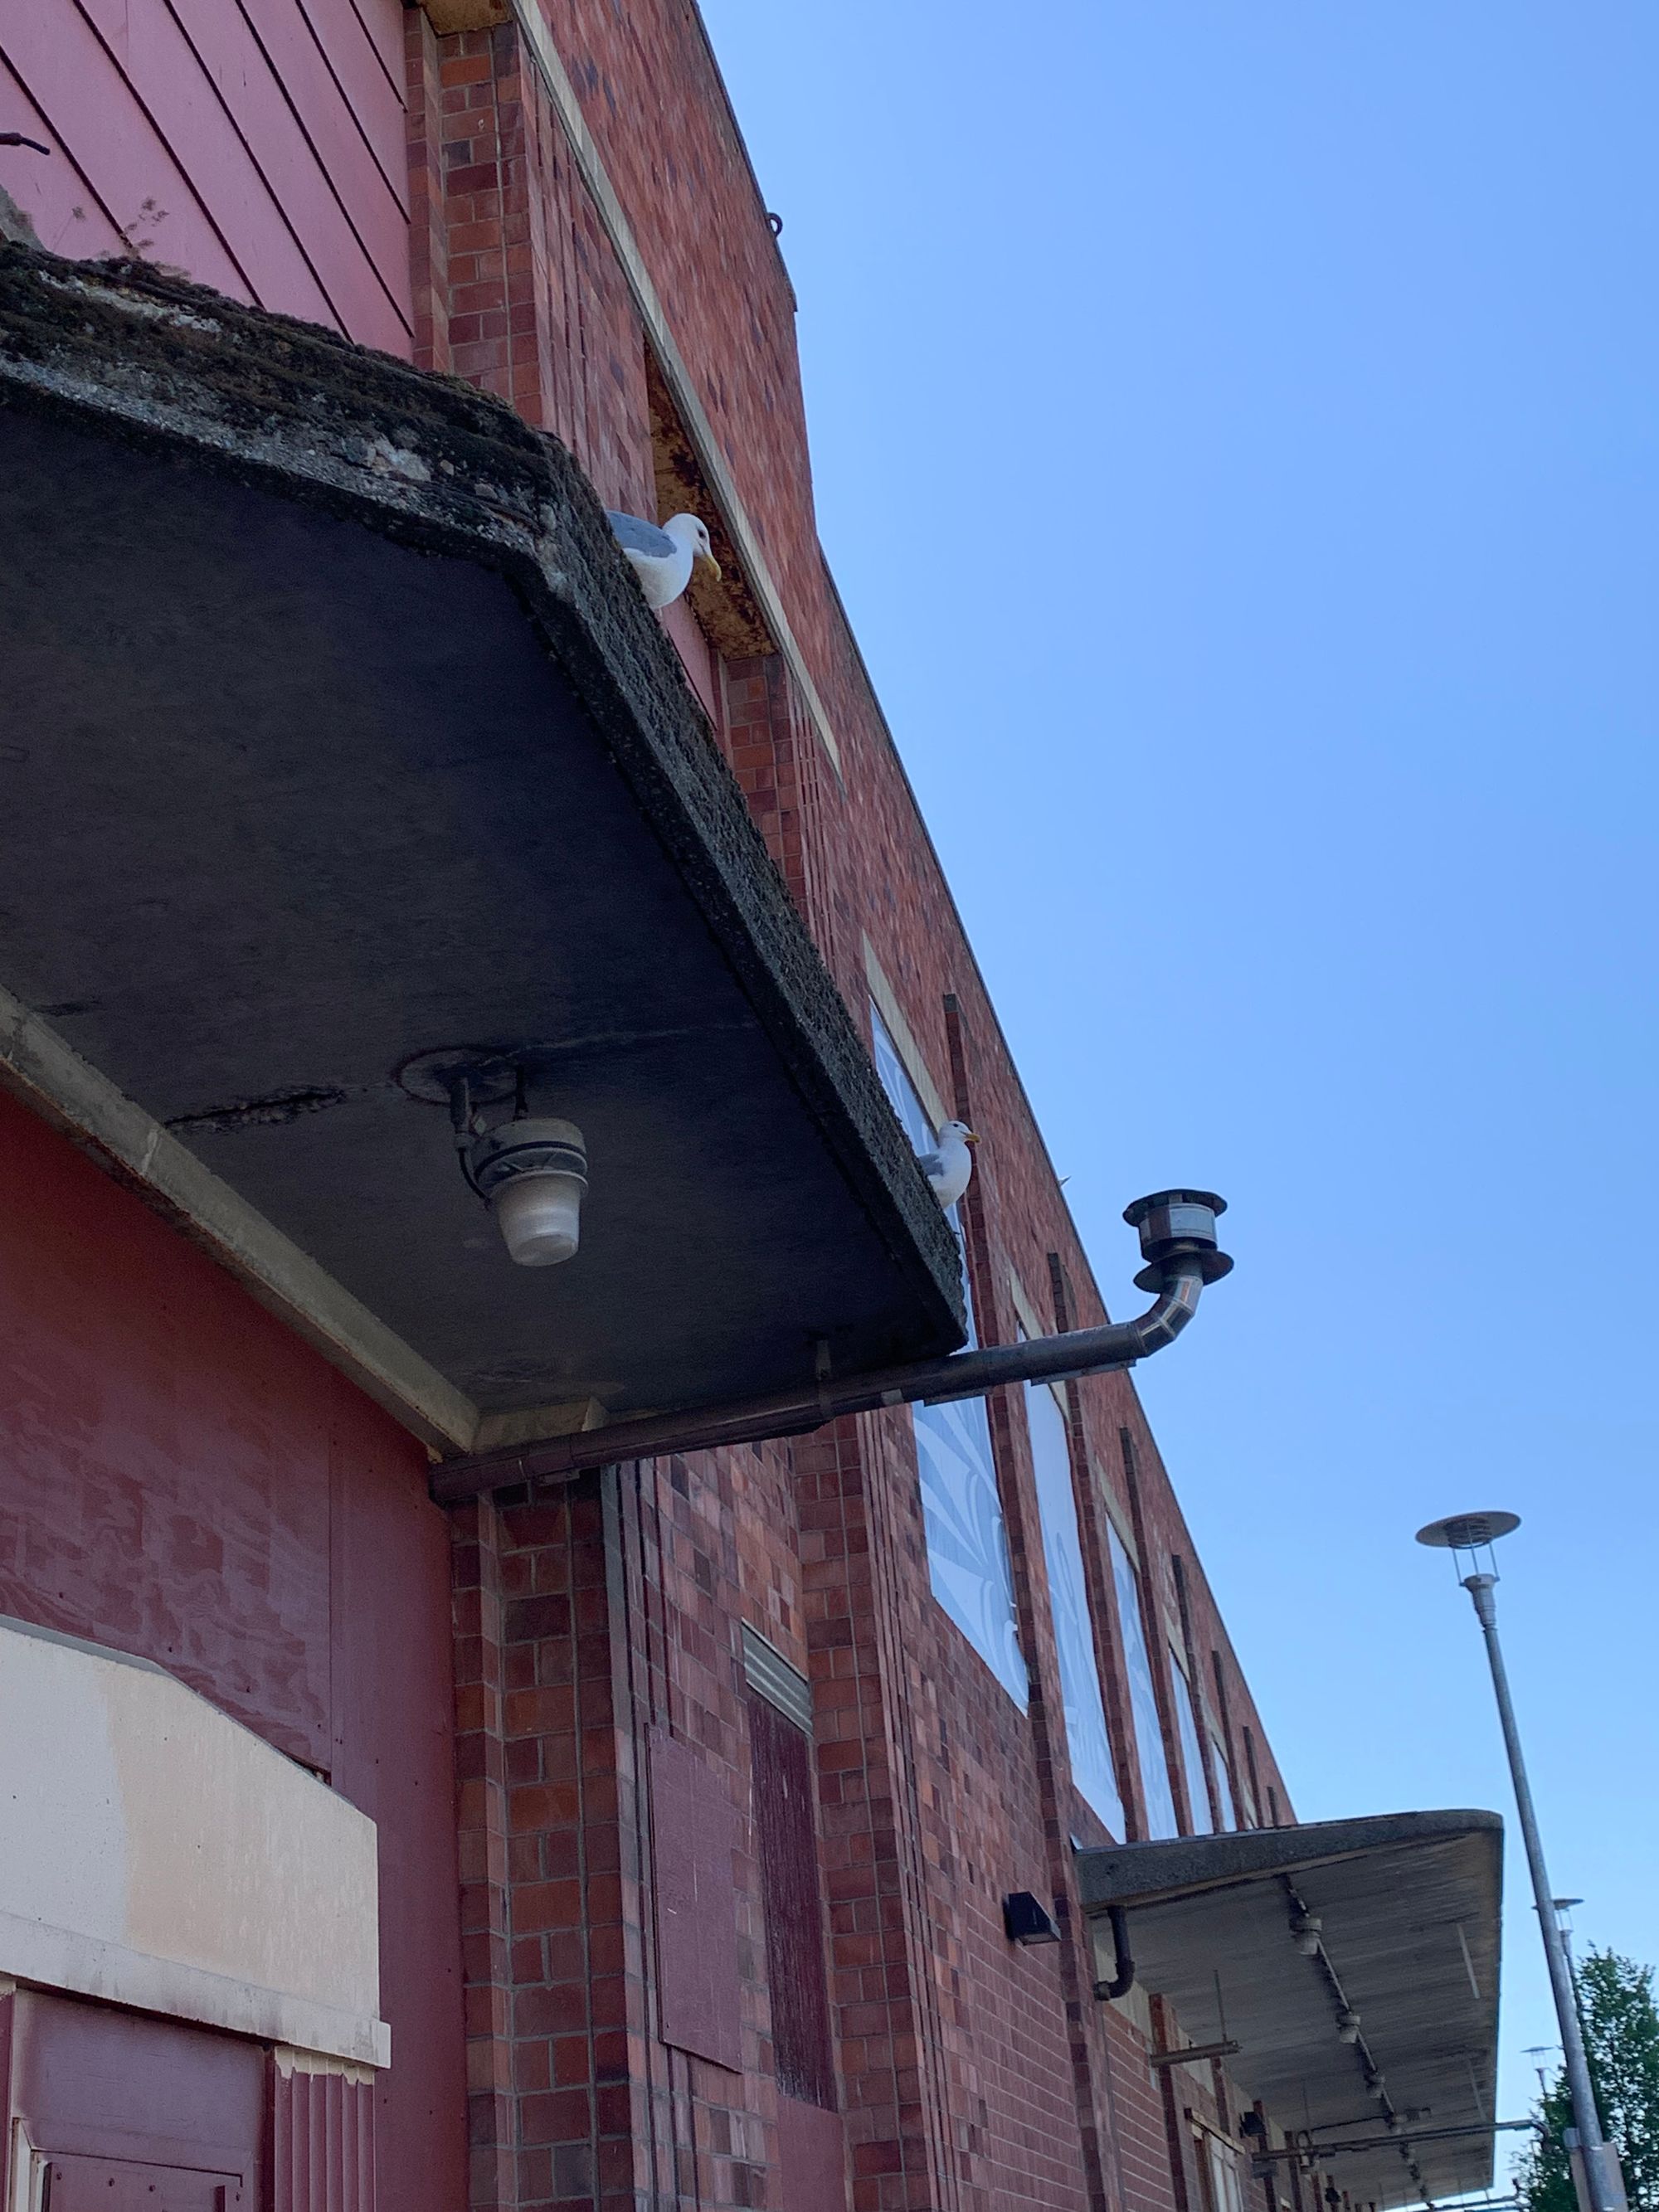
(1123, 1964)
(1177, 1241)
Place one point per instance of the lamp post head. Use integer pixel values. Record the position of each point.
(1468, 1532)
(1472, 1533)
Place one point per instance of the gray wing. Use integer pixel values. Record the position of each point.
(635, 536)
(932, 1165)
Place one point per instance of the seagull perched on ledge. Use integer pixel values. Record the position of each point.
(664, 556)
(950, 1164)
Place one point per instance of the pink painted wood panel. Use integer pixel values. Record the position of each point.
(362, 186)
(693, 1835)
(156, 60)
(182, 1478)
(259, 145)
(68, 215)
(374, 92)
(164, 1467)
(276, 148)
(811, 2157)
(382, 27)
(110, 2184)
(322, 2143)
(92, 113)
(95, 2085)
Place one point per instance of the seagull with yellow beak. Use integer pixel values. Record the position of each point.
(949, 1167)
(662, 556)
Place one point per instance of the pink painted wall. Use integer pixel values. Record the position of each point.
(257, 145)
(181, 1478)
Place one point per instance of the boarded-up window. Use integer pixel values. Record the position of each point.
(693, 1833)
(786, 1837)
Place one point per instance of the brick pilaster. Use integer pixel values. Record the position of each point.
(480, 1820)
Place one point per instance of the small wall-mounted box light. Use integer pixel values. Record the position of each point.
(1347, 2026)
(1027, 1920)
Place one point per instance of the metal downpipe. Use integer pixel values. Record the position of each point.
(795, 1412)
(1123, 1964)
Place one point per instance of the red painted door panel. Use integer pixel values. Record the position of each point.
(811, 2157)
(103, 2185)
(131, 2111)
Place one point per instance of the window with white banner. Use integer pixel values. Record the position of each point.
(962, 1510)
(1087, 1741)
(1191, 1752)
(1161, 1819)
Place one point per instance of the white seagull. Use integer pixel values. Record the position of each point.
(663, 557)
(950, 1165)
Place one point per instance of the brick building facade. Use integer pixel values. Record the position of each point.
(744, 1758)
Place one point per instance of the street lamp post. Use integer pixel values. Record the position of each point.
(1474, 1532)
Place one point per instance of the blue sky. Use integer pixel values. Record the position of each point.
(1236, 442)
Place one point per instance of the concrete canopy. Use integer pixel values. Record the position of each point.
(1408, 1903)
(337, 733)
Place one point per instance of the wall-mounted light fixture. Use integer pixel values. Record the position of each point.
(1027, 1919)
(1347, 2025)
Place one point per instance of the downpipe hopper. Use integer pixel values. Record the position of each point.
(1176, 1226)
(1178, 1244)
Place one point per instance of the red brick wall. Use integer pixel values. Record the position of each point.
(591, 1621)
(973, 2074)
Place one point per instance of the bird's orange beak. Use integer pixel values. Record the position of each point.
(707, 562)
(969, 1137)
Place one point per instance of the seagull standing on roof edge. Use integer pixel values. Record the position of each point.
(950, 1164)
(662, 556)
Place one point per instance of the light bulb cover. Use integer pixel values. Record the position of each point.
(533, 1174)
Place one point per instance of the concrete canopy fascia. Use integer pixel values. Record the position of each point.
(1408, 1907)
(159, 371)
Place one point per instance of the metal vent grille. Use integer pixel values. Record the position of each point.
(769, 1674)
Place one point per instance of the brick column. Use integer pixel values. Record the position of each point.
(480, 1820)
(890, 2038)
(428, 227)
(786, 778)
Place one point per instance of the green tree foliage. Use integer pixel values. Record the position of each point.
(1621, 2033)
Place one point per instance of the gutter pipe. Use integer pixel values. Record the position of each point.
(1123, 1964)
(1177, 1240)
